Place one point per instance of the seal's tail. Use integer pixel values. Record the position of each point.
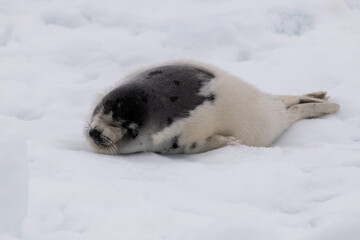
(311, 105)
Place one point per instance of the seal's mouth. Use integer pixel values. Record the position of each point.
(106, 147)
(102, 142)
(99, 142)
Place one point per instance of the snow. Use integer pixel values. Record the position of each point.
(57, 55)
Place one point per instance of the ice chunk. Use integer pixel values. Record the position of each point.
(14, 181)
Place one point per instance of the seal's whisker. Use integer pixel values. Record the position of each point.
(86, 131)
(114, 149)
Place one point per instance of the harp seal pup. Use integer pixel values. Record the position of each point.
(189, 107)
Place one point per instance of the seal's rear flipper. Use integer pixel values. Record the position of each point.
(319, 95)
(312, 110)
(316, 97)
(311, 105)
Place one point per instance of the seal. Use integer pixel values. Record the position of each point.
(189, 107)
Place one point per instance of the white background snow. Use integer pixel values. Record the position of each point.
(55, 56)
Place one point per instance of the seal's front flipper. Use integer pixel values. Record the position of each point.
(213, 142)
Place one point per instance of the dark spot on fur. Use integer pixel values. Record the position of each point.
(211, 98)
(208, 74)
(175, 144)
(144, 99)
(193, 145)
(174, 98)
(155, 73)
(131, 130)
(177, 83)
(133, 134)
(170, 120)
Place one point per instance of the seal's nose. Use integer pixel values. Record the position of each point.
(95, 134)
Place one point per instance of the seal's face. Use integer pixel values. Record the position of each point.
(103, 133)
(116, 120)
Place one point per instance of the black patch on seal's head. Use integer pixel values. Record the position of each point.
(128, 108)
(124, 109)
(193, 145)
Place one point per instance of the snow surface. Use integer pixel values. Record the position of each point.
(55, 56)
